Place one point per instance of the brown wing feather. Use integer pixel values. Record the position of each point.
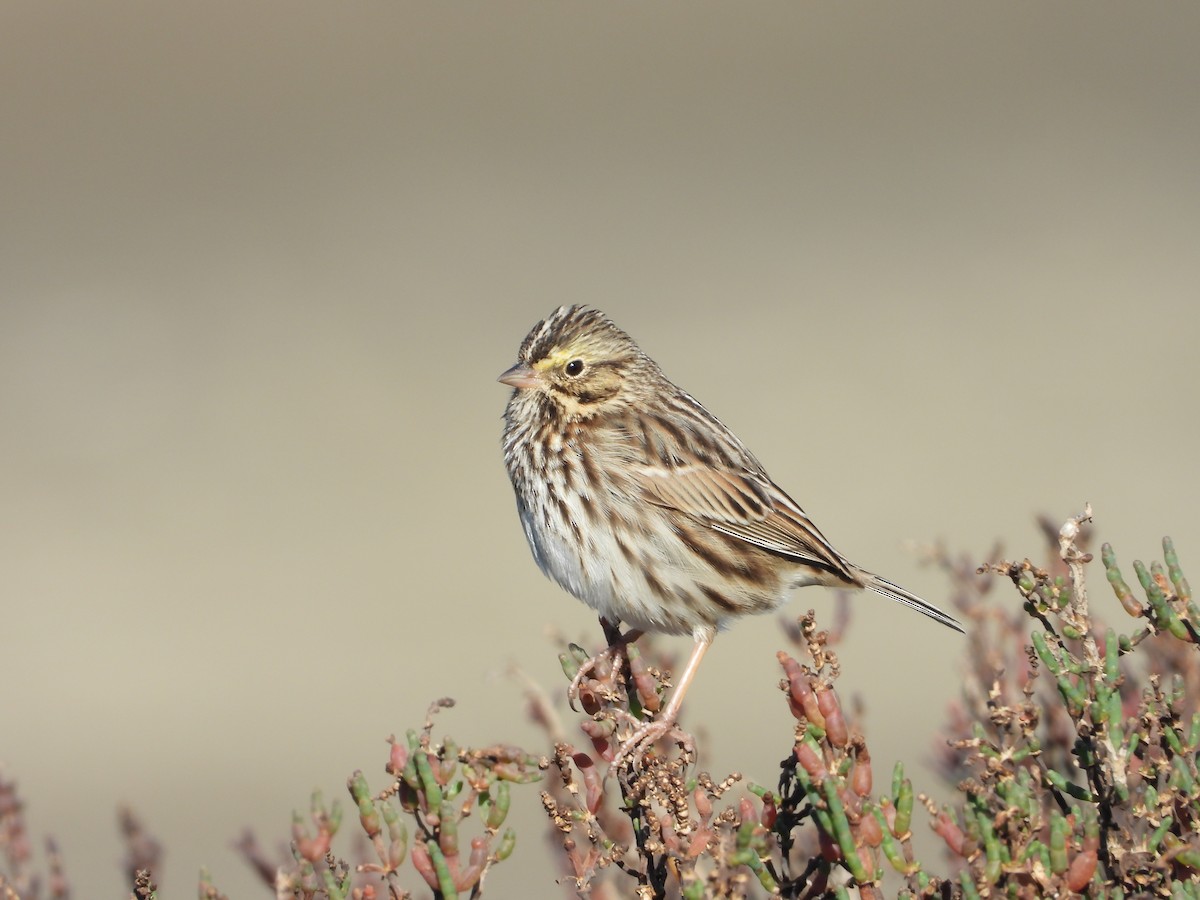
(744, 506)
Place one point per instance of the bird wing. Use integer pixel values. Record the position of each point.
(743, 505)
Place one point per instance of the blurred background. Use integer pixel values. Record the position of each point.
(261, 264)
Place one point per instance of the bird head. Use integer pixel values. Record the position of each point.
(579, 360)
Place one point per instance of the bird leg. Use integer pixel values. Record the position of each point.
(641, 740)
(613, 654)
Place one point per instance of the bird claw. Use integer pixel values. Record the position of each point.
(612, 656)
(634, 747)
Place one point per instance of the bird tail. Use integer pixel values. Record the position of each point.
(895, 592)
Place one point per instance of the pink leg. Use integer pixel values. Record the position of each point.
(637, 743)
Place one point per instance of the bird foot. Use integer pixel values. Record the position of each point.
(634, 747)
(608, 661)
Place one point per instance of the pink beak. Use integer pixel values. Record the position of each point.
(521, 377)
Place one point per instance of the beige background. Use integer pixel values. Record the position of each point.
(261, 264)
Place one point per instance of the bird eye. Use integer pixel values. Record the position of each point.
(574, 367)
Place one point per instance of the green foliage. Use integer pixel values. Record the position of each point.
(1072, 755)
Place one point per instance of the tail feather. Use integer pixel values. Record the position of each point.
(895, 592)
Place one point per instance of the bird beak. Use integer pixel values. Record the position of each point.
(521, 377)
